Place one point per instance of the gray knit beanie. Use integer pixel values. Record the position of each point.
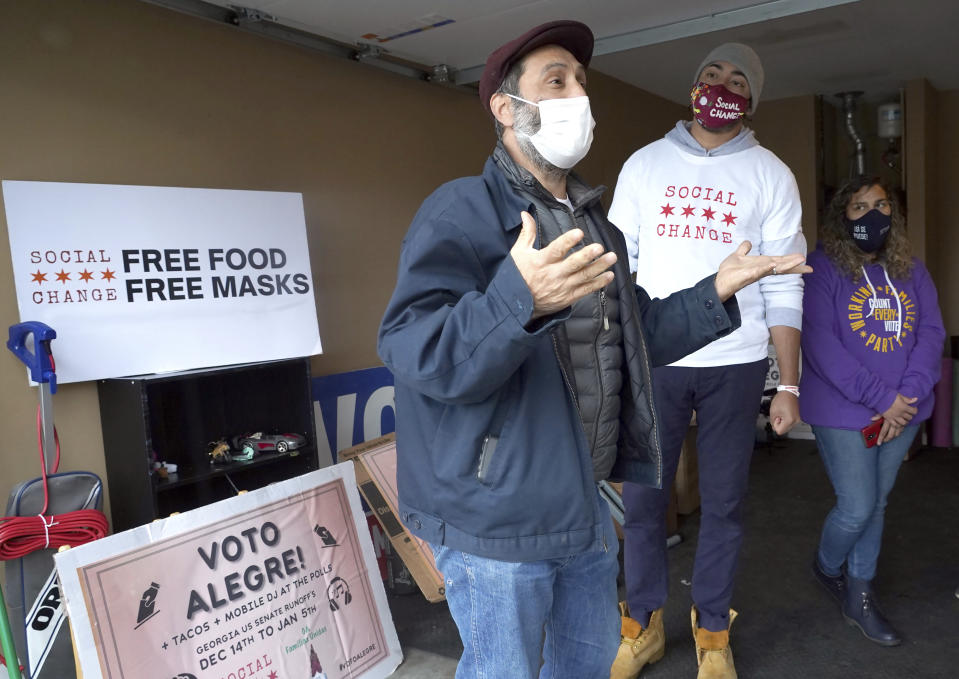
(746, 60)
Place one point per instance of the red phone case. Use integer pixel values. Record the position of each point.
(870, 434)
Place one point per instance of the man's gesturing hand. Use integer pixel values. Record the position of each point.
(555, 280)
(739, 270)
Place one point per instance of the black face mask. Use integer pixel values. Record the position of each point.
(870, 231)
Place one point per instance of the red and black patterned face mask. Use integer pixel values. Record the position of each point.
(715, 107)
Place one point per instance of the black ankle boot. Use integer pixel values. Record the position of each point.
(834, 584)
(860, 608)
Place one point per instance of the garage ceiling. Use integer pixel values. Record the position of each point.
(807, 46)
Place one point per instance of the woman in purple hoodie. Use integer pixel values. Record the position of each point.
(872, 342)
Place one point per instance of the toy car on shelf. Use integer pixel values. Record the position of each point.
(254, 444)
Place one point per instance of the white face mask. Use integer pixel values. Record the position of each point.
(565, 131)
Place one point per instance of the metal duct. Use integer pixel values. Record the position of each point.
(849, 107)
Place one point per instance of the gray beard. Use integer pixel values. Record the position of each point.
(525, 124)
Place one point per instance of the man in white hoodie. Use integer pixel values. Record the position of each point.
(692, 198)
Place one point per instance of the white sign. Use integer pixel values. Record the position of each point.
(148, 279)
(277, 583)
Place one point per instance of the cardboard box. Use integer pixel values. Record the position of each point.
(687, 475)
(801, 430)
(381, 544)
(615, 506)
(672, 514)
(393, 572)
(375, 463)
(672, 520)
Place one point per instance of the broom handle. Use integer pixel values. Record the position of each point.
(6, 642)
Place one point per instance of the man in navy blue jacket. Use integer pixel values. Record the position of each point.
(521, 352)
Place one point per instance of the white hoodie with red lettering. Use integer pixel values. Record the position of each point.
(683, 210)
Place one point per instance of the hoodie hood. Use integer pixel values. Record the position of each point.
(681, 137)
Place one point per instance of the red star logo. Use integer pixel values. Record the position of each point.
(108, 275)
(272, 675)
(688, 210)
(708, 214)
(86, 275)
(666, 209)
(729, 219)
(38, 277)
(63, 276)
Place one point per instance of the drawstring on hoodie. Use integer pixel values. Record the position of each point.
(876, 299)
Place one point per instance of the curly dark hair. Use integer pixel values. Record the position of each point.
(895, 254)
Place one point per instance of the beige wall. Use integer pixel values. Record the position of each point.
(790, 128)
(944, 234)
(921, 145)
(114, 91)
(627, 119)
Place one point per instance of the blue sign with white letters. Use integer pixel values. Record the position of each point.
(350, 408)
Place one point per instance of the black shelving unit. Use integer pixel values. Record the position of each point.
(172, 417)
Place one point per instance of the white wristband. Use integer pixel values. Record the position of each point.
(794, 390)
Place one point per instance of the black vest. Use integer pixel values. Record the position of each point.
(592, 336)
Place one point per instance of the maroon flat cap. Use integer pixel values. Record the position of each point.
(571, 35)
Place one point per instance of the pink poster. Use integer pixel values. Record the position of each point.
(281, 590)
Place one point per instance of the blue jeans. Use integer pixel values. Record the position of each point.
(862, 478)
(549, 619)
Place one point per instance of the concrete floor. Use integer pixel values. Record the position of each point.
(788, 627)
(419, 664)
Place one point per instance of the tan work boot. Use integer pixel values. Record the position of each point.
(713, 653)
(639, 647)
